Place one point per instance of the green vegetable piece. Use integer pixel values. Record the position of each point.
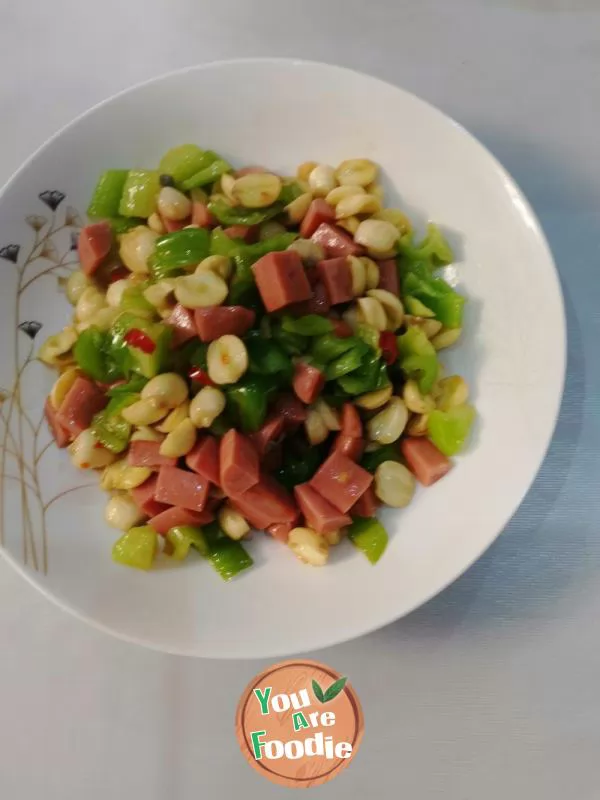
(133, 386)
(111, 429)
(268, 358)
(299, 467)
(227, 556)
(242, 289)
(446, 304)
(133, 358)
(417, 308)
(177, 250)
(228, 215)
(328, 347)
(107, 194)
(371, 375)
(434, 247)
(140, 194)
(290, 192)
(292, 343)
(418, 358)
(248, 399)
(349, 362)
(213, 166)
(369, 335)
(309, 325)
(369, 535)
(182, 537)
(223, 245)
(93, 353)
(136, 548)
(449, 430)
(182, 162)
(387, 452)
(123, 224)
(133, 300)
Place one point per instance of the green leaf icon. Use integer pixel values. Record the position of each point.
(318, 692)
(334, 690)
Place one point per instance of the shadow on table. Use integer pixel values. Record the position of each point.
(547, 548)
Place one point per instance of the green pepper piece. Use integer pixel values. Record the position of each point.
(227, 556)
(182, 537)
(248, 399)
(328, 347)
(110, 429)
(309, 325)
(132, 358)
(417, 358)
(268, 358)
(228, 215)
(140, 193)
(107, 194)
(223, 245)
(371, 375)
(133, 386)
(290, 192)
(213, 166)
(387, 452)
(182, 162)
(349, 362)
(369, 535)
(123, 224)
(177, 250)
(449, 430)
(136, 548)
(93, 354)
(299, 467)
(369, 335)
(417, 308)
(434, 247)
(446, 304)
(133, 300)
(292, 343)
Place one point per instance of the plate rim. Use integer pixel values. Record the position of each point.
(562, 337)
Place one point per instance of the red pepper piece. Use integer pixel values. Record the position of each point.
(140, 340)
(389, 346)
(200, 376)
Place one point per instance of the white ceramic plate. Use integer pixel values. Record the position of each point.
(280, 113)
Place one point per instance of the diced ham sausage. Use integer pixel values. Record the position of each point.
(172, 225)
(59, 433)
(319, 514)
(239, 467)
(318, 212)
(269, 434)
(266, 504)
(341, 481)
(180, 488)
(366, 505)
(349, 446)
(281, 279)
(95, 242)
(280, 531)
(215, 321)
(249, 233)
(335, 241)
(307, 382)
(204, 459)
(388, 276)
(292, 411)
(146, 454)
(341, 328)
(318, 303)
(201, 216)
(351, 422)
(82, 401)
(273, 458)
(424, 459)
(143, 497)
(165, 520)
(337, 279)
(182, 320)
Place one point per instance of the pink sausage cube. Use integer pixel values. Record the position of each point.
(340, 481)
(335, 241)
(93, 246)
(216, 321)
(388, 276)
(59, 433)
(281, 279)
(319, 514)
(239, 467)
(82, 401)
(318, 212)
(307, 382)
(337, 279)
(182, 320)
(180, 488)
(146, 454)
(203, 458)
(170, 517)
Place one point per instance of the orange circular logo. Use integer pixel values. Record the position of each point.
(299, 723)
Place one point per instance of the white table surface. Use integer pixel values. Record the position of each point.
(492, 689)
